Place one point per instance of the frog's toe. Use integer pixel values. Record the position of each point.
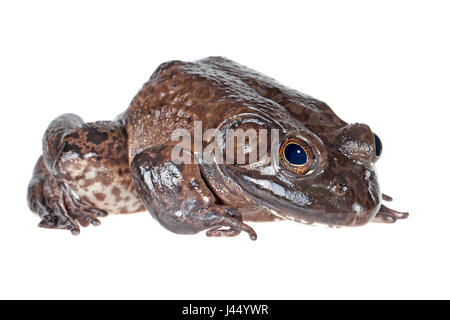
(387, 215)
(230, 224)
(222, 232)
(54, 215)
(59, 208)
(81, 210)
(237, 226)
(231, 231)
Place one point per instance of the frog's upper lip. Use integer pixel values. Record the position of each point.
(277, 206)
(298, 206)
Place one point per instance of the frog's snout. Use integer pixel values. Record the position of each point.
(366, 203)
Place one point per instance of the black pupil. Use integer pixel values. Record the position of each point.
(378, 146)
(295, 154)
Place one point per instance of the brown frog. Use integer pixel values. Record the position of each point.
(319, 170)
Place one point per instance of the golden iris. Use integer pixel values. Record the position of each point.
(296, 156)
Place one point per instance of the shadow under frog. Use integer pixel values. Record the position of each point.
(323, 173)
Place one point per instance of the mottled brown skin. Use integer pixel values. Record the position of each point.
(89, 169)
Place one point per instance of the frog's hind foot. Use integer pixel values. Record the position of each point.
(387, 215)
(57, 205)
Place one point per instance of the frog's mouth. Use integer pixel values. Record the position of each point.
(270, 194)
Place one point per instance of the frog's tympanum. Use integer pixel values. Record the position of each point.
(320, 171)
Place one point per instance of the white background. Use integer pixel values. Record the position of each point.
(384, 63)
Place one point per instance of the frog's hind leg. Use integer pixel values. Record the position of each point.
(387, 215)
(82, 174)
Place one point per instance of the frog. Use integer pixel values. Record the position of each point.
(320, 170)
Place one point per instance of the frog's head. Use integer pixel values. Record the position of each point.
(316, 178)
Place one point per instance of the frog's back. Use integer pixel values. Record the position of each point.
(210, 90)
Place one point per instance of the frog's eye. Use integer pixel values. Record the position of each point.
(296, 156)
(378, 145)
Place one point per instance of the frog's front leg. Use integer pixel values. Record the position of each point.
(177, 196)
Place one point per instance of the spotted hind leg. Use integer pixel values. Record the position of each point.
(83, 174)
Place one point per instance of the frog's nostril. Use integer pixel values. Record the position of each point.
(342, 188)
(338, 188)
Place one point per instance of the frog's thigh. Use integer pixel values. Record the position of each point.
(177, 196)
(92, 159)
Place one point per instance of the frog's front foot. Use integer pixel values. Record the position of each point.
(387, 215)
(229, 224)
(57, 205)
